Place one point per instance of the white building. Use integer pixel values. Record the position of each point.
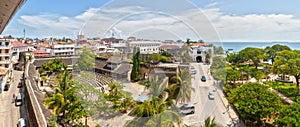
(17, 48)
(6, 52)
(199, 53)
(146, 47)
(62, 50)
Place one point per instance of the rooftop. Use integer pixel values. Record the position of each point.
(18, 44)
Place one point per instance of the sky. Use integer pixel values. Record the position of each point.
(208, 20)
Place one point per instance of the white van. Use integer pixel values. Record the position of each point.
(21, 122)
(19, 99)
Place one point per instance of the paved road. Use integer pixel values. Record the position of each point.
(204, 107)
(9, 113)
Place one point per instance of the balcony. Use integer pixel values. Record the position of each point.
(61, 51)
(5, 54)
(5, 46)
(4, 61)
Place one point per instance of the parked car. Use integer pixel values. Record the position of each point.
(192, 67)
(6, 87)
(8, 81)
(203, 78)
(211, 95)
(187, 109)
(19, 100)
(21, 122)
(193, 72)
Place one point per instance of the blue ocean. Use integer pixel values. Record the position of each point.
(237, 46)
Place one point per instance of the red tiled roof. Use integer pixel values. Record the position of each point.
(197, 44)
(39, 51)
(111, 39)
(45, 45)
(18, 44)
(94, 43)
(3, 70)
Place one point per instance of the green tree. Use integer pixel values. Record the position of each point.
(89, 97)
(135, 72)
(232, 74)
(233, 58)
(64, 101)
(289, 116)
(166, 53)
(155, 57)
(167, 118)
(165, 59)
(210, 122)
(156, 88)
(218, 68)
(255, 104)
(273, 50)
(184, 53)
(186, 88)
(288, 62)
(55, 102)
(207, 58)
(218, 50)
(150, 107)
(55, 65)
(252, 54)
(86, 61)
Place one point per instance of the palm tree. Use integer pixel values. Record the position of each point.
(210, 123)
(167, 118)
(63, 92)
(156, 88)
(55, 102)
(186, 89)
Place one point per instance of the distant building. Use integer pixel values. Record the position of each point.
(6, 52)
(41, 53)
(113, 42)
(200, 51)
(131, 38)
(169, 48)
(146, 47)
(62, 50)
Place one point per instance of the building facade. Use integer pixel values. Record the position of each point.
(201, 54)
(5, 52)
(62, 50)
(146, 47)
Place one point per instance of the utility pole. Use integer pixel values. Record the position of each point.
(24, 32)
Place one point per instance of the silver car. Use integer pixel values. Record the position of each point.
(187, 109)
(211, 95)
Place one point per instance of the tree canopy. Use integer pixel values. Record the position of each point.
(252, 54)
(55, 65)
(255, 104)
(218, 68)
(273, 50)
(135, 72)
(86, 61)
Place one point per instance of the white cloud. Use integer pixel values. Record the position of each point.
(194, 23)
